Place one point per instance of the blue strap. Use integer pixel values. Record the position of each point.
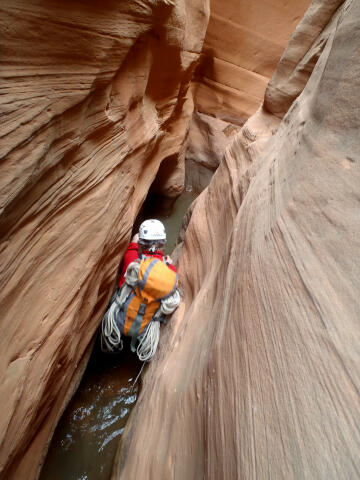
(122, 312)
(151, 265)
(135, 327)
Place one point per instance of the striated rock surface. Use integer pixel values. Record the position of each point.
(258, 372)
(207, 140)
(243, 44)
(94, 97)
(301, 55)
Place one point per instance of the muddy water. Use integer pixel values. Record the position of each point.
(88, 433)
(86, 438)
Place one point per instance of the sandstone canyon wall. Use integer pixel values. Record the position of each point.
(257, 375)
(243, 44)
(95, 96)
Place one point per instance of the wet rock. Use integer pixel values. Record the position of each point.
(95, 97)
(257, 374)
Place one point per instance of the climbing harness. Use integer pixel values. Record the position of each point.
(137, 308)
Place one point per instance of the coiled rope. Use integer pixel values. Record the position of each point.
(150, 339)
(148, 342)
(110, 333)
(170, 304)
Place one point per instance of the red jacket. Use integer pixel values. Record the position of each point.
(132, 254)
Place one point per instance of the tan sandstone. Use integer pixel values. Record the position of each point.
(206, 143)
(243, 44)
(258, 372)
(95, 95)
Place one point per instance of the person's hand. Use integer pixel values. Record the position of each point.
(135, 238)
(168, 260)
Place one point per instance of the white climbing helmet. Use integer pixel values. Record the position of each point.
(152, 231)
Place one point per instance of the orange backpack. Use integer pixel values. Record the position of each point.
(156, 281)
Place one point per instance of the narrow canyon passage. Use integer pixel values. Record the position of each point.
(87, 436)
(107, 105)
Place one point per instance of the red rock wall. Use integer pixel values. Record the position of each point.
(95, 97)
(257, 374)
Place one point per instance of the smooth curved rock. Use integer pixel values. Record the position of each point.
(243, 44)
(258, 372)
(95, 96)
(301, 55)
(207, 140)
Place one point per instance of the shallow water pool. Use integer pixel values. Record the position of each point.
(88, 433)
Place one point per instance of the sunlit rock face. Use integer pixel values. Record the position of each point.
(95, 97)
(257, 375)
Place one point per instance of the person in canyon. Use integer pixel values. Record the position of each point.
(149, 242)
(147, 292)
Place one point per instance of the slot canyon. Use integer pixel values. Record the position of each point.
(253, 108)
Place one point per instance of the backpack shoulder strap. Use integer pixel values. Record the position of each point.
(135, 327)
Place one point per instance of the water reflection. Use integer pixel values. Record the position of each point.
(87, 436)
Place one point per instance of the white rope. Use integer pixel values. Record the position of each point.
(138, 375)
(110, 333)
(171, 303)
(132, 273)
(149, 342)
